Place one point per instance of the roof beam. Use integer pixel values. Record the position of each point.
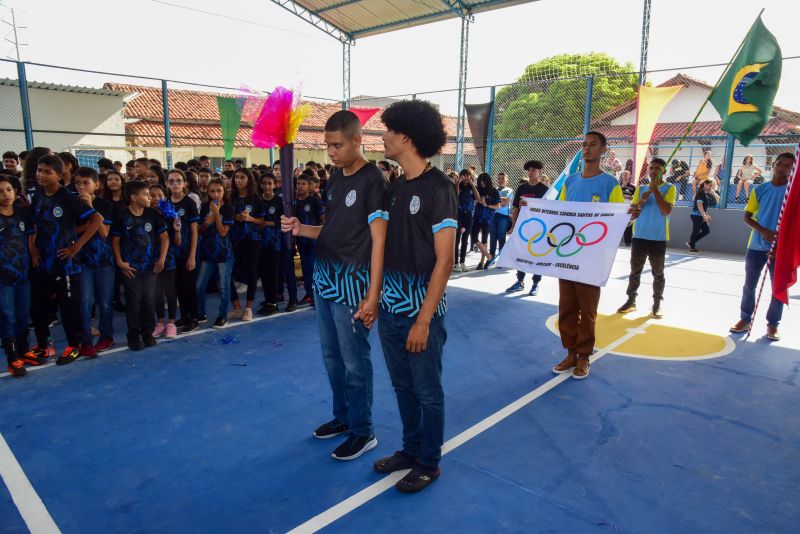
(440, 15)
(315, 20)
(457, 7)
(337, 5)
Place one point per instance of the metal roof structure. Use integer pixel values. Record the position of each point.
(9, 82)
(348, 20)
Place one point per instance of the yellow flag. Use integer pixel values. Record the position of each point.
(652, 101)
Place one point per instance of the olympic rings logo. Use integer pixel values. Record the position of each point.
(579, 236)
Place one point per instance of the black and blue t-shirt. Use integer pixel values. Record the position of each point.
(247, 231)
(308, 211)
(418, 209)
(170, 260)
(213, 247)
(140, 241)
(466, 200)
(14, 257)
(97, 251)
(273, 209)
(56, 216)
(344, 247)
(187, 211)
(484, 214)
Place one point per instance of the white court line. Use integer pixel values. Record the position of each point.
(30, 506)
(367, 494)
(181, 336)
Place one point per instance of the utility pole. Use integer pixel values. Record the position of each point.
(15, 30)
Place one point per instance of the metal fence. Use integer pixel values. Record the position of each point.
(100, 114)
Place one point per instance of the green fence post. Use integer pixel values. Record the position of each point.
(730, 144)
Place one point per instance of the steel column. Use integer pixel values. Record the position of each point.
(25, 105)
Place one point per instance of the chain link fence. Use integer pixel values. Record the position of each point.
(98, 114)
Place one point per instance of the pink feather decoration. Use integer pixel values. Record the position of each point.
(270, 128)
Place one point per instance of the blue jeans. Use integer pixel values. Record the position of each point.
(97, 284)
(206, 270)
(346, 353)
(754, 262)
(497, 231)
(14, 304)
(417, 382)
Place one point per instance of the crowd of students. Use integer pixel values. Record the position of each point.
(72, 238)
(70, 235)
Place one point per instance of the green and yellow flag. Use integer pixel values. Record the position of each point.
(230, 116)
(743, 97)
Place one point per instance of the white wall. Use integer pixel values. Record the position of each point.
(682, 108)
(92, 115)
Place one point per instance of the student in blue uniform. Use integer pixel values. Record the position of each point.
(246, 238)
(58, 216)
(651, 207)
(467, 197)
(269, 263)
(15, 227)
(186, 252)
(761, 215)
(577, 302)
(97, 262)
(309, 211)
(140, 243)
(216, 250)
(166, 291)
(420, 247)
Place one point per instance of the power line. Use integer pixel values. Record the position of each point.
(235, 19)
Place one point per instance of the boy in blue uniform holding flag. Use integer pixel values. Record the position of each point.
(651, 207)
(577, 305)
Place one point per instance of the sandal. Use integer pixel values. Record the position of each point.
(418, 479)
(397, 462)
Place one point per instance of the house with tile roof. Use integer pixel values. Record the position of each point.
(194, 123)
(619, 125)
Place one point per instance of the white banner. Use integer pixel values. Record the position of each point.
(571, 240)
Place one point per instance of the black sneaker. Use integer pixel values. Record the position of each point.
(149, 341)
(397, 462)
(180, 323)
(331, 429)
(135, 343)
(69, 355)
(354, 447)
(534, 290)
(292, 306)
(202, 318)
(220, 322)
(268, 309)
(190, 326)
(628, 307)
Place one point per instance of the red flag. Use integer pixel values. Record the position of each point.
(364, 114)
(787, 257)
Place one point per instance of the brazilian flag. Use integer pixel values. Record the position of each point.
(743, 97)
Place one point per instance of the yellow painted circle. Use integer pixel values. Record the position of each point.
(657, 341)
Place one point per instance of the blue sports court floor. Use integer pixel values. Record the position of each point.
(690, 431)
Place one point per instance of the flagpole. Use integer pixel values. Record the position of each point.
(716, 85)
(774, 245)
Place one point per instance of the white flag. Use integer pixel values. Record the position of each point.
(571, 240)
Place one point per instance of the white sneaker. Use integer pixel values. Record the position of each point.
(247, 314)
(463, 267)
(235, 314)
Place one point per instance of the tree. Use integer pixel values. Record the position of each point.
(548, 99)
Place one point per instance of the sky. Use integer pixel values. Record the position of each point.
(258, 44)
